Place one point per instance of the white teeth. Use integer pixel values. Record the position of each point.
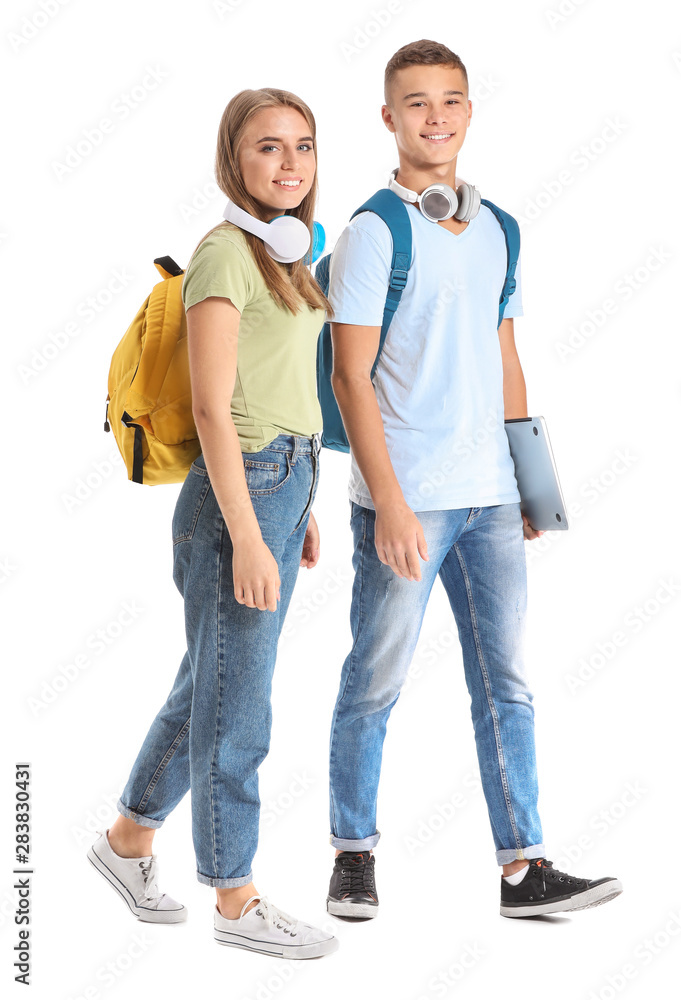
(442, 135)
(288, 183)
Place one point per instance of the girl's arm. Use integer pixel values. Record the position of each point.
(212, 339)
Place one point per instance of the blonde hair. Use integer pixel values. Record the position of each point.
(291, 285)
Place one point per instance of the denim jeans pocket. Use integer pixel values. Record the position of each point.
(268, 472)
(189, 503)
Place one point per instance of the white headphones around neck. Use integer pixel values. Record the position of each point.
(286, 238)
(439, 201)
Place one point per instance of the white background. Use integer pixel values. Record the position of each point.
(544, 85)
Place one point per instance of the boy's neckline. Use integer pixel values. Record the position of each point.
(436, 225)
(451, 232)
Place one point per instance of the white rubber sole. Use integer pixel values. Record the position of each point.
(150, 916)
(581, 901)
(316, 950)
(360, 910)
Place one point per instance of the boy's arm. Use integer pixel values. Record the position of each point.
(399, 536)
(515, 396)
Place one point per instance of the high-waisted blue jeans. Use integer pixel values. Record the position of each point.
(213, 731)
(479, 554)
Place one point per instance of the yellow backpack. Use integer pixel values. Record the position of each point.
(149, 399)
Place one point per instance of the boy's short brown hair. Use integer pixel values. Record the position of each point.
(422, 53)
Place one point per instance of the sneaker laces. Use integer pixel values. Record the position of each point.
(273, 916)
(546, 868)
(149, 870)
(357, 874)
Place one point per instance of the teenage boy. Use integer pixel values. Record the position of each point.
(446, 376)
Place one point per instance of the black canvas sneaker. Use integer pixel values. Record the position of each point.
(546, 890)
(352, 891)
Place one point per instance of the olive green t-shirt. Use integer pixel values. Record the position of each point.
(275, 391)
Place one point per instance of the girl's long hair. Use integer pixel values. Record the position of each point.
(291, 285)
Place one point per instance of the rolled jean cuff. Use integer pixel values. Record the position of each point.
(355, 845)
(225, 883)
(506, 856)
(139, 818)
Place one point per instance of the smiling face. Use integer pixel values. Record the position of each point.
(277, 159)
(429, 113)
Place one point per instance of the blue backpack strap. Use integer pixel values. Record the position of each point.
(322, 272)
(511, 231)
(393, 212)
(387, 206)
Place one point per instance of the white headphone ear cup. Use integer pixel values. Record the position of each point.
(438, 202)
(288, 239)
(469, 202)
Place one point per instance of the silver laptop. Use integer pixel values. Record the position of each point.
(541, 498)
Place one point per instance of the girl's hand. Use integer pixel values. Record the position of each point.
(256, 576)
(310, 555)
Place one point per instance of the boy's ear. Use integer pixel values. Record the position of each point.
(386, 115)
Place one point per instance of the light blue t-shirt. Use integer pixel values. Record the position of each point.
(439, 380)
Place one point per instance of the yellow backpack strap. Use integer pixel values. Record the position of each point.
(163, 325)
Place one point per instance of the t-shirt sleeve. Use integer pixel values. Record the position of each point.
(218, 267)
(514, 306)
(359, 271)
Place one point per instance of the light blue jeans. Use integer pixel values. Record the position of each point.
(213, 731)
(479, 554)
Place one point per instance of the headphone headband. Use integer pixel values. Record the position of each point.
(404, 193)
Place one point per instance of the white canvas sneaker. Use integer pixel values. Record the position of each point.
(267, 929)
(135, 880)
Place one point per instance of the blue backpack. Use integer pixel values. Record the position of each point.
(386, 204)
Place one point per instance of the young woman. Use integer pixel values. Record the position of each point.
(241, 528)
